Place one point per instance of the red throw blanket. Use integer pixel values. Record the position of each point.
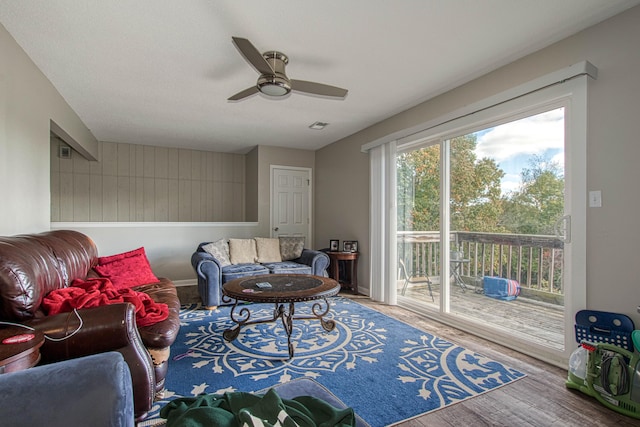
(100, 291)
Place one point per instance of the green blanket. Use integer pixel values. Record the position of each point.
(254, 410)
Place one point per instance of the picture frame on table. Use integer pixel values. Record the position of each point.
(350, 246)
(334, 245)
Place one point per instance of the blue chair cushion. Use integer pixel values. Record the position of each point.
(287, 267)
(237, 271)
(94, 390)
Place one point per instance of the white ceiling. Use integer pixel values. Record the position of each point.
(159, 72)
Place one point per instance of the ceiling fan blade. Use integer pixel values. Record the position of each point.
(252, 55)
(244, 93)
(318, 88)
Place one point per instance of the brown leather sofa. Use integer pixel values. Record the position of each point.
(33, 265)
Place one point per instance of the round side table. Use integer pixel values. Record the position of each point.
(351, 275)
(17, 354)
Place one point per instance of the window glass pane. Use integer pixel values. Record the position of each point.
(418, 193)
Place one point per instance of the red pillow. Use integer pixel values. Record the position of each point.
(127, 269)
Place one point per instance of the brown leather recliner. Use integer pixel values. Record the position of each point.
(33, 265)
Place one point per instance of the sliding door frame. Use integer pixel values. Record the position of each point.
(526, 100)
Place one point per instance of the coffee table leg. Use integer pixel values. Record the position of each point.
(287, 323)
(328, 325)
(241, 318)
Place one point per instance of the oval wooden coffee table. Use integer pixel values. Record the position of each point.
(280, 289)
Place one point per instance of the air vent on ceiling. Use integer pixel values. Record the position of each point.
(318, 125)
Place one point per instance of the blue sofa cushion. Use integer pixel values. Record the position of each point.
(287, 267)
(237, 271)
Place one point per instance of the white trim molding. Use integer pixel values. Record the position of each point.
(559, 76)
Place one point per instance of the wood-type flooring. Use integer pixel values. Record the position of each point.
(540, 399)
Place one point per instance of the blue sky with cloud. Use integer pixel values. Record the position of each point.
(513, 144)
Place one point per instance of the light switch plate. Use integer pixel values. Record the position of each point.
(595, 199)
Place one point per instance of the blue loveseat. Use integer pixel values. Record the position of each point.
(215, 263)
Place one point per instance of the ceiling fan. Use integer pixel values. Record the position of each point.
(273, 81)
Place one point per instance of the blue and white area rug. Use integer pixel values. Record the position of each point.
(386, 370)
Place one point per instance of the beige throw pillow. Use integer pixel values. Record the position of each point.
(291, 247)
(242, 251)
(220, 250)
(268, 250)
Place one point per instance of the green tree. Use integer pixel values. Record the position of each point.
(419, 189)
(539, 202)
(476, 204)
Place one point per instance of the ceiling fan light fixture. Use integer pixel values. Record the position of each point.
(273, 80)
(273, 85)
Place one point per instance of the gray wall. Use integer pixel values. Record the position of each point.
(342, 199)
(251, 185)
(613, 150)
(144, 183)
(28, 104)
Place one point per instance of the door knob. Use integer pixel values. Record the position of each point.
(276, 229)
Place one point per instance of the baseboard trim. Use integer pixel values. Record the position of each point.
(186, 282)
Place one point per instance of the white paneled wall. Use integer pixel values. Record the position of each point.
(139, 183)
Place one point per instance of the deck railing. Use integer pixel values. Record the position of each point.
(535, 261)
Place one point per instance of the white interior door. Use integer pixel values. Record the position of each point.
(290, 202)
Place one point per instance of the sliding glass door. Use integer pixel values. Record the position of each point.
(483, 226)
(506, 204)
(485, 208)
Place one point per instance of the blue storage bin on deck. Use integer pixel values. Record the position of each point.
(500, 288)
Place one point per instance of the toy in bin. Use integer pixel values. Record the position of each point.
(606, 365)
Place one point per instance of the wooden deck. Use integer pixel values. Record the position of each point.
(543, 322)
